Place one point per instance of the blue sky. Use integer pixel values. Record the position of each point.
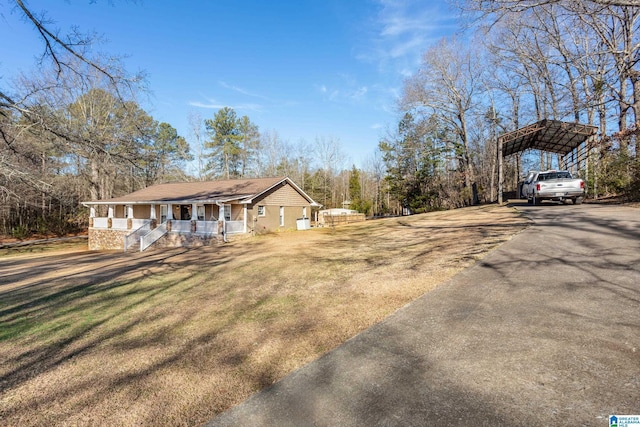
(305, 69)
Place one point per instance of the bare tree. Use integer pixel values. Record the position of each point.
(66, 51)
(196, 131)
(617, 28)
(373, 185)
(572, 36)
(71, 61)
(330, 162)
(448, 85)
(271, 155)
(499, 8)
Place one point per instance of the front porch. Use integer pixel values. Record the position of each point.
(137, 227)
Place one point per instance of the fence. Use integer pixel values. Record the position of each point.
(333, 220)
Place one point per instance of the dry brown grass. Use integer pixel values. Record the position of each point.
(175, 337)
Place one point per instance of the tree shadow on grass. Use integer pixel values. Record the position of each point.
(154, 305)
(501, 344)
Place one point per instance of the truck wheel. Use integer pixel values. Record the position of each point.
(578, 200)
(536, 200)
(529, 201)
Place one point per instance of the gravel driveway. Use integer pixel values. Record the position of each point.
(543, 331)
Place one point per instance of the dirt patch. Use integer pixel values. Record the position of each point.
(175, 337)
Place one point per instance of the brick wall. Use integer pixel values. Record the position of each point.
(177, 240)
(104, 240)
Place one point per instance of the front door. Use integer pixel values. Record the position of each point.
(185, 212)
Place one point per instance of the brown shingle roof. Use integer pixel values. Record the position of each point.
(198, 191)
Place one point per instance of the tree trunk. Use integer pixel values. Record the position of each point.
(634, 77)
(94, 185)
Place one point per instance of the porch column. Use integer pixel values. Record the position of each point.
(129, 213)
(221, 221)
(110, 217)
(92, 214)
(169, 212)
(244, 214)
(194, 217)
(152, 217)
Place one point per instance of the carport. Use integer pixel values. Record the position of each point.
(572, 141)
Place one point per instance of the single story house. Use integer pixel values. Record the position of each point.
(197, 213)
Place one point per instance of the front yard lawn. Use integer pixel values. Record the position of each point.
(174, 337)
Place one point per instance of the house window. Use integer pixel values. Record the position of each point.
(281, 216)
(304, 212)
(200, 209)
(163, 213)
(261, 211)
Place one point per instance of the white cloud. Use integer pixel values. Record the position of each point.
(250, 107)
(396, 24)
(403, 30)
(360, 92)
(213, 104)
(210, 103)
(241, 90)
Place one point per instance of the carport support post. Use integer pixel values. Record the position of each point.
(500, 171)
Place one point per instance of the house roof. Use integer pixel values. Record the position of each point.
(243, 190)
(547, 135)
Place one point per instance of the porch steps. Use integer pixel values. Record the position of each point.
(152, 236)
(132, 240)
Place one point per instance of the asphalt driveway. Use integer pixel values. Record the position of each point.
(543, 331)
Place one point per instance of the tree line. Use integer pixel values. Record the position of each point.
(74, 130)
(522, 62)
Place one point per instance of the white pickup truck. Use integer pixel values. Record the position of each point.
(552, 185)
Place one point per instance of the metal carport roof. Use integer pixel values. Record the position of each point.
(547, 135)
(553, 136)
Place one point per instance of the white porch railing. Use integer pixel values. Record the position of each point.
(133, 238)
(100, 222)
(179, 226)
(149, 238)
(207, 227)
(119, 223)
(232, 227)
(137, 223)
